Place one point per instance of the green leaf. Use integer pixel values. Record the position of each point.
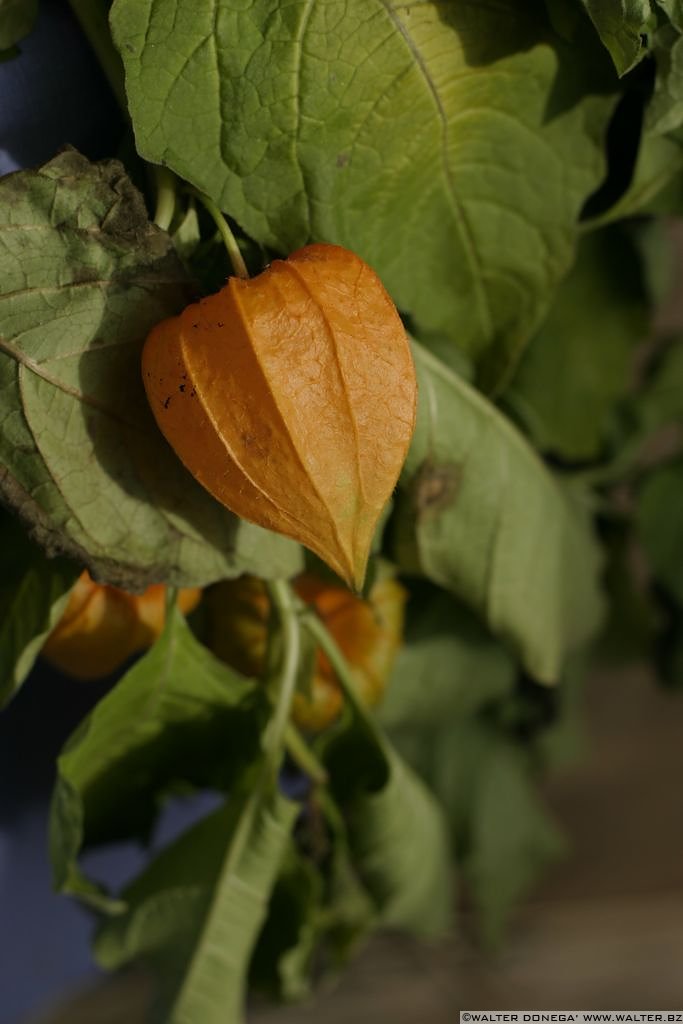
(502, 834)
(654, 242)
(281, 964)
(564, 17)
(178, 716)
(580, 362)
(660, 526)
(349, 912)
(562, 740)
(510, 837)
(482, 517)
(33, 593)
(661, 402)
(621, 25)
(665, 109)
(17, 18)
(632, 618)
(674, 12)
(396, 832)
(657, 183)
(399, 843)
(84, 277)
(449, 666)
(450, 145)
(195, 913)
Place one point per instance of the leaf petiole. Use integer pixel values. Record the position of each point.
(166, 196)
(316, 628)
(229, 240)
(303, 756)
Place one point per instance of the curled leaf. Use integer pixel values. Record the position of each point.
(102, 626)
(368, 632)
(291, 398)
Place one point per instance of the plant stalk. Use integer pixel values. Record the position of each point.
(229, 240)
(303, 756)
(165, 187)
(282, 600)
(317, 629)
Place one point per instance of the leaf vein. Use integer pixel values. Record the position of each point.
(458, 208)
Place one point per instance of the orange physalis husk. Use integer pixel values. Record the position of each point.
(368, 633)
(291, 397)
(102, 626)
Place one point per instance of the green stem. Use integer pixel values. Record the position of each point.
(303, 756)
(311, 622)
(282, 600)
(229, 240)
(93, 17)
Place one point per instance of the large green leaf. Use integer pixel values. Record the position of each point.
(483, 517)
(84, 277)
(33, 592)
(178, 716)
(580, 362)
(623, 26)
(448, 666)
(444, 143)
(196, 911)
(16, 21)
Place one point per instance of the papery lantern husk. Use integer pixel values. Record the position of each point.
(368, 632)
(291, 397)
(102, 626)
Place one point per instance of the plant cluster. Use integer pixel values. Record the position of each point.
(507, 169)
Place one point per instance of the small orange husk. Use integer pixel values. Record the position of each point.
(368, 633)
(102, 626)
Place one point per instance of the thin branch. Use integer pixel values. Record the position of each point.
(229, 240)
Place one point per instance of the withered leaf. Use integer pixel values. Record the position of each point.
(84, 275)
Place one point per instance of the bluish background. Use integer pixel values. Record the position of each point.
(52, 94)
